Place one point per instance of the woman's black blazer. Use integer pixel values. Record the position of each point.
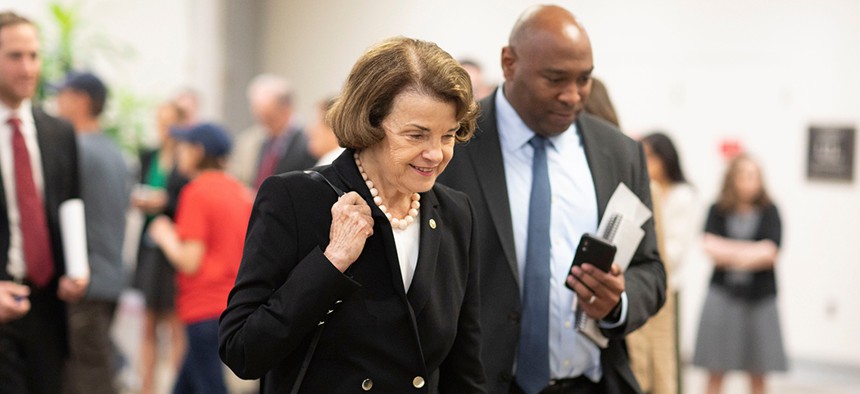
(375, 334)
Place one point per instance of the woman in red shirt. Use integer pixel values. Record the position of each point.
(205, 246)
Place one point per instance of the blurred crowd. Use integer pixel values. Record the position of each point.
(194, 191)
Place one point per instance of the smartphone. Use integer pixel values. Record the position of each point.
(594, 251)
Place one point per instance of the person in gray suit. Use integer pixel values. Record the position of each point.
(540, 172)
(104, 186)
(275, 144)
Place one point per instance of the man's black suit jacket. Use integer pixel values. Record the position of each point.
(380, 332)
(43, 329)
(478, 170)
(297, 157)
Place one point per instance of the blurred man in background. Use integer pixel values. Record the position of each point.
(39, 163)
(322, 143)
(188, 100)
(480, 87)
(105, 188)
(276, 143)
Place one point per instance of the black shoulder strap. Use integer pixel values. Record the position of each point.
(321, 178)
(313, 346)
(307, 361)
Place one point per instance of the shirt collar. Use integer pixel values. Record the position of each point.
(517, 134)
(24, 112)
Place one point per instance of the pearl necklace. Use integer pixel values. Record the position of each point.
(395, 222)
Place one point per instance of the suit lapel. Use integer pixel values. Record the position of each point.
(290, 156)
(3, 211)
(346, 169)
(599, 162)
(485, 153)
(428, 252)
(4, 228)
(47, 152)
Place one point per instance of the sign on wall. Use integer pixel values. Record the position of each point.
(831, 153)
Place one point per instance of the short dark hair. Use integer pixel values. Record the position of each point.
(212, 163)
(388, 69)
(97, 105)
(661, 145)
(9, 18)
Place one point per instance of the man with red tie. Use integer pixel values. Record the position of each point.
(38, 159)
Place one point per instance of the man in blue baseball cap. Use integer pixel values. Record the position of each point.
(104, 183)
(204, 146)
(88, 89)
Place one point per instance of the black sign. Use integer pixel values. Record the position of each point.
(831, 153)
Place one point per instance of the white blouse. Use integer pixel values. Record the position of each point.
(406, 242)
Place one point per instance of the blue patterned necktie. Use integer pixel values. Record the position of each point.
(533, 353)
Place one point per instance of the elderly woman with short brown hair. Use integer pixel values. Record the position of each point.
(363, 276)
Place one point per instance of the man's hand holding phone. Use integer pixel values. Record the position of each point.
(605, 287)
(597, 281)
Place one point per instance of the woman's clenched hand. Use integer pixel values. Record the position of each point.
(351, 225)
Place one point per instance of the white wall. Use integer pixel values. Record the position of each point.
(758, 71)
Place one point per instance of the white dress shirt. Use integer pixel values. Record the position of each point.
(16, 267)
(406, 242)
(573, 212)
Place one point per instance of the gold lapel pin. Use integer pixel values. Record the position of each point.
(432, 224)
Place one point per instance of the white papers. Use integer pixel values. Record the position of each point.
(627, 237)
(592, 331)
(74, 234)
(634, 214)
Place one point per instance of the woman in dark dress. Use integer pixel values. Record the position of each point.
(739, 329)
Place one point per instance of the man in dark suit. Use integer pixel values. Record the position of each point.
(38, 158)
(275, 144)
(540, 173)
